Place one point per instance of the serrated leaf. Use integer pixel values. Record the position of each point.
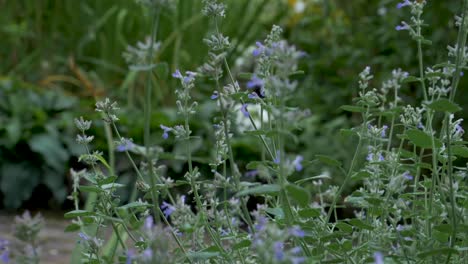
(202, 255)
(72, 228)
(134, 205)
(299, 194)
(90, 188)
(253, 165)
(410, 79)
(444, 228)
(112, 185)
(344, 227)
(460, 150)
(438, 251)
(421, 139)
(328, 160)
(348, 132)
(107, 180)
(243, 244)
(353, 108)
(360, 175)
(360, 224)
(103, 161)
(277, 212)
(76, 213)
(309, 212)
(444, 105)
(271, 189)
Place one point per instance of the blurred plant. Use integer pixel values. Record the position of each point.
(25, 247)
(35, 124)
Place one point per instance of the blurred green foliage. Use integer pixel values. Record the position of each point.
(77, 46)
(36, 140)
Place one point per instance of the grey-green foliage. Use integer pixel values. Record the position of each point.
(36, 141)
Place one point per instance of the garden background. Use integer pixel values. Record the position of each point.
(57, 58)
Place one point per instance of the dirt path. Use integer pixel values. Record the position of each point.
(55, 245)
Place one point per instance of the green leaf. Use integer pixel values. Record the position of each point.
(107, 180)
(76, 213)
(444, 228)
(17, 182)
(360, 175)
(328, 160)
(134, 205)
(410, 79)
(103, 161)
(359, 223)
(421, 139)
(243, 244)
(347, 133)
(112, 186)
(277, 212)
(309, 212)
(51, 150)
(253, 165)
(90, 189)
(460, 150)
(444, 105)
(299, 194)
(202, 255)
(272, 189)
(344, 227)
(438, 252)
(353, 108)
(72, 228)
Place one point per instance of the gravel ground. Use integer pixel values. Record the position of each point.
(55, 245)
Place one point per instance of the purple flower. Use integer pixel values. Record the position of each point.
(177, 74)
(244, 110)
(253, 95)
(407, 176)
(255, 82)
(296, 231)
(277, 159)
(403, 4)
(167, 209)
(251, 173)
(297, 162)
(370, 157)
(403, 26)
(459, 129)
(215, 95)
(295, 250)
(125, 145)
(260, 48)
(297, 260)
(149, 223)
(189, 76)
(384, 131)
(182, 199)
(148, 254)
(166, 131)
(261, 223)
(378, 258)
(83, 236)
(5, 256)
(278, 247)
(461, 74)
(381, 157)
(130, 256)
